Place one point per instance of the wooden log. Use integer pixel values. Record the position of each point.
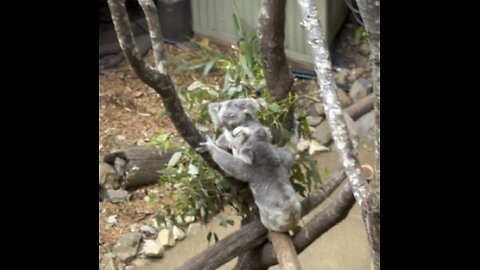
(138, 165)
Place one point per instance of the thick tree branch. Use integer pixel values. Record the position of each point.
(370, 12)
(253, 234)
(333, 110)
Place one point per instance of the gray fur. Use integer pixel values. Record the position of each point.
(256, 161)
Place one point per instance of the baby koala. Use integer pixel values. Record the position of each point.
(255, 160)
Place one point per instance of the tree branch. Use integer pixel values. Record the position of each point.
(253, 234)
(271, 34)
(370, 13)
(158, 46)
(333, 110)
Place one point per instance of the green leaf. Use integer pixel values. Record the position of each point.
(216, 237)
(231, 222)
(274, 107)
(166, 171)
(192, 170)
(246, 69)
(314, 170)
(237, 22)
(174, 159)
(209, 66)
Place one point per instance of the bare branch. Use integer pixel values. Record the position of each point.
(156, 36)
(333, 110)
(254, 234)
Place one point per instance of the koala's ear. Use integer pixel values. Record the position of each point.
(213, 110)
(252, 105)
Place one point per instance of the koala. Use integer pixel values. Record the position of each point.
(256, 161)
(239, 124)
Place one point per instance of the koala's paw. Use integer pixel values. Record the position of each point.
(239, 131)
(204, 146)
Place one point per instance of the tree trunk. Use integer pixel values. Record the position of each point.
(370, 12)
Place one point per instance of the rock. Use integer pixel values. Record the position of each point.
(361, 60)
(129, 267)
(117, 196)
(319, 108)
(120, 140)
(364, 48)
(316, 147)
(126, 248)
(322, 133)
(107, 262)
(148, 231)
(189, 219)
(165, 238)
(106, 174)
(360, 89)
(344, 99)
(178, 234)
(194, 228)
(152, 250)
(365, 126)
(355, 74)
(112, 219)
(141, 142)
(303, 145)
(314, 120)
(340, 77)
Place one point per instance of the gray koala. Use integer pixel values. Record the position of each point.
(239, 124)
(256, 161)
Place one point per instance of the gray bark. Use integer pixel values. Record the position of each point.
(333, 110)
(370, 13)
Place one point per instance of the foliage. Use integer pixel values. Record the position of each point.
(192, 187)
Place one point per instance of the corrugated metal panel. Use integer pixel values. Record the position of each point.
(214, 18)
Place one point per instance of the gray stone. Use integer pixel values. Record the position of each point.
(360, 89)
(194, 228)
(178, 234)
(152, 250)
(165, 238)
(314, 120)
(343, 97)
(319, 108)
(127, 247)
(365, 126)
(322, 133)
(303, 145)
(316, 147)
(106, 174)
(148, 231)
(355, 74)
(340, 77)
(117, 196)
(112, 219)
(107, 262)
(120, 139)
